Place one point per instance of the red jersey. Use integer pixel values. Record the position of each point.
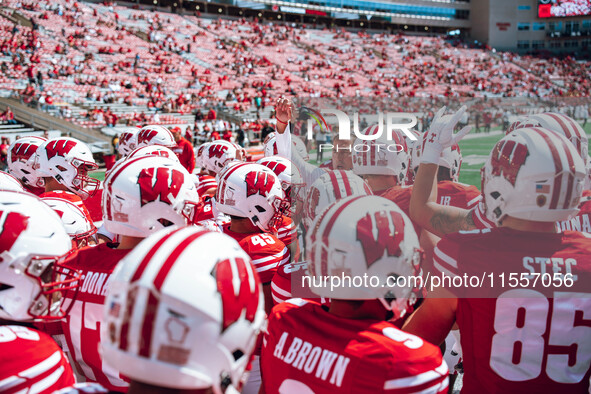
(286, 231)
(479, 217)
(581, 222)
(185, 153)
(535, 339)
(288, 276)
(34, 190)
(457, 194)
(205, 182)
(94, 206)
(31, 362)
(306, 349)
(82, 326)
(71, 197)
(266, 251)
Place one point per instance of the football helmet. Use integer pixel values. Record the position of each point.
(152, 135)
(145, 194)
(270, 145)
(199, 154)
(381, 156)
(290, 178)
(365, 236)
(217, 154)
(532, 174)
(19, 153)
(329, 188)
(252, 191)
(154, 150)
(8, 182)
(68, 161)
(183, 310)
(125, 140)
(32, 242)
(80, 228)
(451, 158)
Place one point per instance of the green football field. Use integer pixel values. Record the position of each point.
(475, 150)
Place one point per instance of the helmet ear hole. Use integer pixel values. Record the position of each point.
(495, 195)
(165, 222)
(259, 208)
(237, 354)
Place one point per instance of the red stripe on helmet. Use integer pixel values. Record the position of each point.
(153, 299)
(346, 182)
(335, 185)
(557, 166)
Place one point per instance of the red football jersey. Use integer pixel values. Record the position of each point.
(457, 194)
(308, 350)
(204, 210)
(82, 325)
(479, 217)
(266, 251)
(581, 222)
(31, 362)
(287, 231)
(94, 206)
(531, 339)
(34, 190)
(286, 277)
(71, 197)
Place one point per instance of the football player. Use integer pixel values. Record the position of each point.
(251, 195)
(141, 196)
(32, 285)
(62, 165)
(19, 153)
(182, 314)
(514, 338)
(351, 346)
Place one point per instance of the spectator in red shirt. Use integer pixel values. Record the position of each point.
(184, 150)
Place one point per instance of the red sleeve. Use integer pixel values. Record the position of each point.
(445, 257)
(287, 232)
(267, 254)
(31, 359)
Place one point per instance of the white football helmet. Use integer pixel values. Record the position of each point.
(252, 191)
(31, 243)
(80, 229)
(154, 150)
(290, 178)
(451, 158)
(145, 194)
(381, 156)
(19, 153)
(66, 160)
(199, 154)
(125, 139)
(152, 135)
(8, 182)
(183, 311)
(365, 236)
(217, 154)
(270, 145)
(532, 174)
(330, 188)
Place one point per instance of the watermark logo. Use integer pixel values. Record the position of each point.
(402, 121)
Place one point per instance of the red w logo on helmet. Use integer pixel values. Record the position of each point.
(246, 298)
(59, 148)
(161, 183)
(507, 158)
(145, 136)
(277, 168)
(14, 224)
(259, 182)
(22, 151)
(217, 150)
(388, 238)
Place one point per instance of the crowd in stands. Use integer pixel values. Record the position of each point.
(78, 53)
